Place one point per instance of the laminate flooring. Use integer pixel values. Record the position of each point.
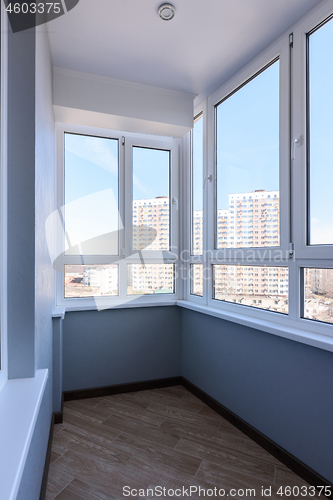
(161, 438)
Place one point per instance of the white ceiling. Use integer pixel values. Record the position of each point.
(203, 45)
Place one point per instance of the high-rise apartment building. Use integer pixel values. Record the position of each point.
(251, 220)
(152, 213)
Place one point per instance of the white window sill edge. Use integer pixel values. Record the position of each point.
(288, 332)
(60, 311)
(20, 401)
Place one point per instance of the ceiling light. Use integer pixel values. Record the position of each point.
(166, 11)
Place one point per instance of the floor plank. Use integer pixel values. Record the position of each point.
(144, 431)
(173, 459)
(89, 429)
(184, 416)
(181, 403)
(57, 481)
(128, 411)
(229, 459)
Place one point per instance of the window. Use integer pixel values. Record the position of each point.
(118, 217)
(318, 294)
(268, 246)
(150, 279)
(230, 285)
(247, 156)
(151, 189)
(197, 279)
(91, 208)
(251, 179)
(91, 281)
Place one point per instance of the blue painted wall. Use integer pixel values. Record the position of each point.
(21, 204)
(57, 372)
(281, 387)
(120, 346)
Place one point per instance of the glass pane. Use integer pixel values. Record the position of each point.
(151, 203)
(197, 188)
(150, 278)
(262, 287)
(247, 165)
(91, 195)
(320, 123)
(318, 294)
(91, 281)
(197, 279)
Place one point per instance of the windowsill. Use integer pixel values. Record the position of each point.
(20, 402)
(60, 311)
(282, 330)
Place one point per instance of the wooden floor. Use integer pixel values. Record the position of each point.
(162, 437)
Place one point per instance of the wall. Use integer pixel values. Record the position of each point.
(120, 346)
(280, 387)
(40, 187)
(21, 204)
(96, 101)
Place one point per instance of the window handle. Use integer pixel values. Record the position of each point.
(175, 202)
(207, 179)
(295, 142)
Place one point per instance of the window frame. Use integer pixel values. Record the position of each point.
(125, 142)
(187, 258)
(292, 102)
(300, 131)
(315, 264)
(280, 50)
(3, 197)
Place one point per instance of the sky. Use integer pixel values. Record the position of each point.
(248, 138)
(247, 141)
(321, 135)
(91, 184)
(91, 188)
(151, 172)
(91, 165)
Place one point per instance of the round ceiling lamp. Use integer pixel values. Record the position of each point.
(166, 11)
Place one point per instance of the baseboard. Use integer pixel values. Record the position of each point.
(110, 390)
(286, 458)
(47, 462)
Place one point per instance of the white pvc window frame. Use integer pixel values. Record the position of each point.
(299, 132)
(293, 195)
(126, 142)
(187, 258)
(280, 51)
(3, 197)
